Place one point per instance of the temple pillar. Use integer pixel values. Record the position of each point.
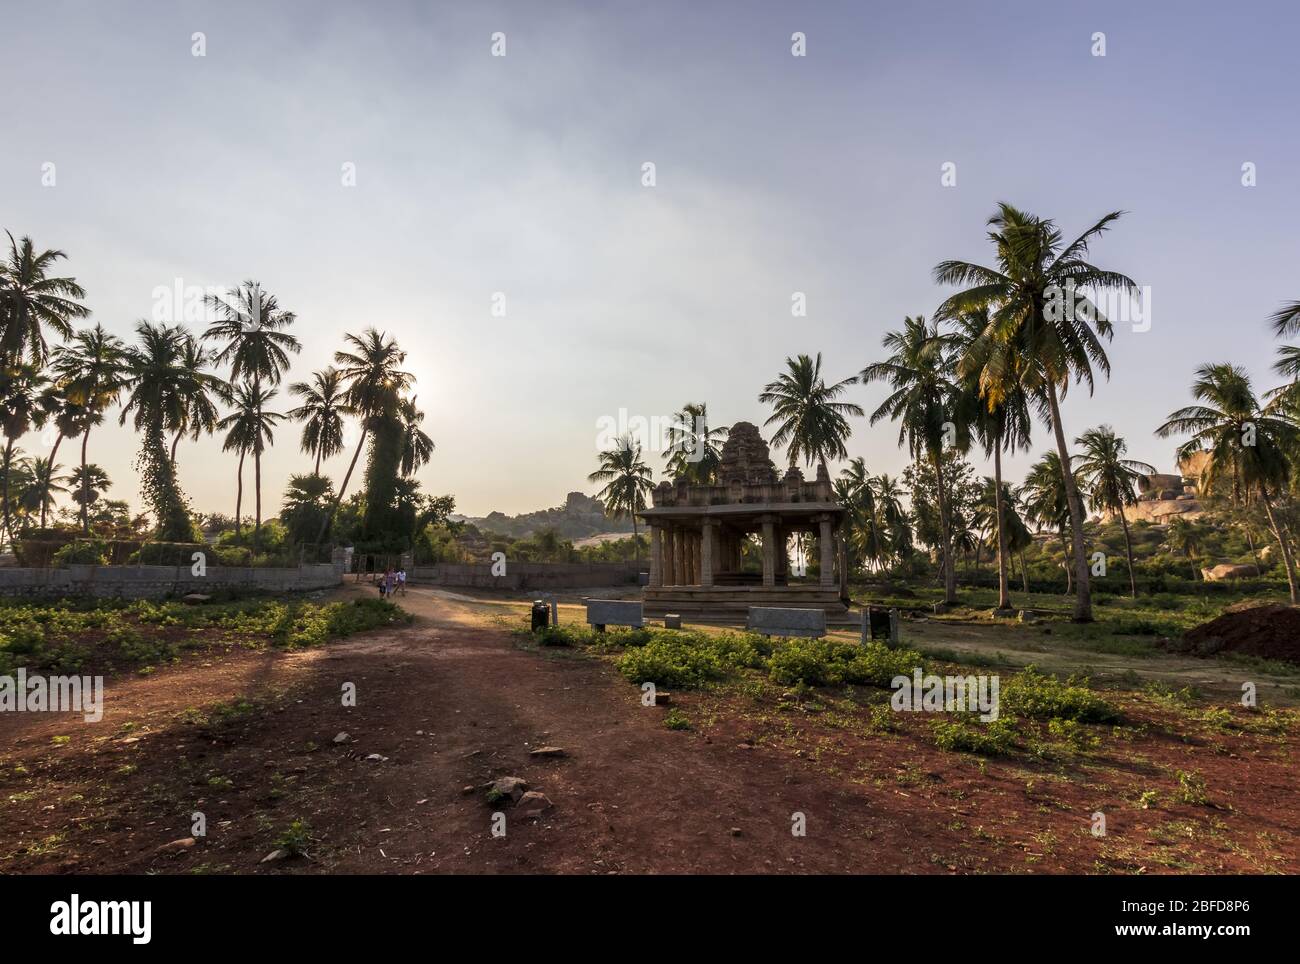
(669, 557)
(826, 542)
(708, 553)
(769, 552)
(656, 557)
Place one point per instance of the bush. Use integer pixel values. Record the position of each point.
(1032, 694)
(81, 553)
(995, 738)
(820, 662)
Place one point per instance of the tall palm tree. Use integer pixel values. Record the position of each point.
(45, 484)
(1000, 419)
(68, 417)
(1044, 330)
(92, 369)
(694, 449)
(17, 472)
(1248, 447)
(200, 415)
(1046, 501)
(23, 406)
(1184, 536)
(811, 424)
(417, 447)
(929, 409)
(249, 428)
(375, 385)
(251, 326)
(1110, 480)
(159, 386)
(626, 478)
(31, 301)
(321, 413)
(87, 483)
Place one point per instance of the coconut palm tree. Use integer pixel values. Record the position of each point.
(46, 483)
(811, 424)
(23, 406)
(31, 302)
(249, 428)
(251, 326)
(1045, 500)
(627, 481)
(1184, 536)
(999, 417)
(694, 449)
(1044, 331)
(200, 414)
(92, 369)
(17, 472)
(67, 416)
(87, 483)
(1248, 447)
(321, 413)
(1110, 480)
(158, 388)
(417, 447)
(375, 385)
(929, 409)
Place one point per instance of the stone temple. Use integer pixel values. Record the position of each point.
(698, 532)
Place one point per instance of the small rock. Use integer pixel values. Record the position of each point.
(466, 789)
(376, 758)
(195, 599)
(551, 751)
(512, 787)
(663, 698)
(342, 737)
(177, 846)
(273, 856)
(735, 831)
(534, 804)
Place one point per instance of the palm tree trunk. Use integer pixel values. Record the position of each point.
(1004, 588)
(257, 498)
(1024, 571)
(1083, 591)
(945, 535)
(1250, 541)
(1287, 561)
(318, 451)
(239, 494)
(1128, 551)
(175, 442)
(53, 452)
(338, 499)
(9, 453)
(85, 485)
(1065, 551)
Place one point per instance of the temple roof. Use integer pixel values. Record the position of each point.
(745, 457)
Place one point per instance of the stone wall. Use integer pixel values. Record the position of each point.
(156, 582)
(531, 575)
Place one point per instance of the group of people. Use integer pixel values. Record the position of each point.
(392, 583)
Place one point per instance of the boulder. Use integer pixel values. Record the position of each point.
(533, 804)
(1228, 571)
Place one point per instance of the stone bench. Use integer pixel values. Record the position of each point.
(613, 612)
(771, 621)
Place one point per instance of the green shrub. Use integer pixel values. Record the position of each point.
(995, 738)
(1032, 694)
(81, 553)
(822, 662)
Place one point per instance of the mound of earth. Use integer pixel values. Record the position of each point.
(1270, 632)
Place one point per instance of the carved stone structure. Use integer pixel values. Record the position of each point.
(697, 535)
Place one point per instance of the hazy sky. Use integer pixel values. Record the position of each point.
(522, 175)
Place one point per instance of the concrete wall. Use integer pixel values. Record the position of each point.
(532, 575)
(155, 582)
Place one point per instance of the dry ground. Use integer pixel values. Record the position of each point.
(455, 700)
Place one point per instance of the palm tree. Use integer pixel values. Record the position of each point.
(252, 326)
(17, 470)
(321, 413)
(417, 447)
(1111, 480)
(22, 407)
(1000, 418)
(87, 483)
(1248, 447)
(375, 384)
(200, 415)
(626, 478)
(811, 424)
(694, 449)
(159, 386)
(92, 369)
(249, 428)
(1184, 536)
(929, 410)
(31, 302)
(1046, 499)
(45, 484)
(1033, 339)
(68, 417)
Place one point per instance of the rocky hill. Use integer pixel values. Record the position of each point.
(579, 517)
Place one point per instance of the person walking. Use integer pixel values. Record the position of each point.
(401, 580)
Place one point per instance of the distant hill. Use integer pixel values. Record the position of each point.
(580, 516)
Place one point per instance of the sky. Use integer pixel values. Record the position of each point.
(485, 182)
